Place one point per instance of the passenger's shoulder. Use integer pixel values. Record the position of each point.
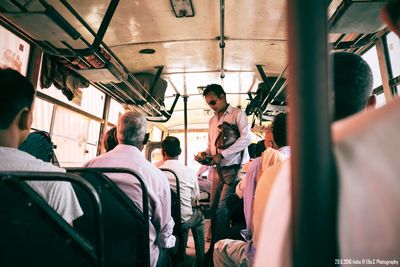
(159, 178)
(152, 170)
(236, 110)
(39, 165)
(22, 161)
(99, 159)
(190, 172)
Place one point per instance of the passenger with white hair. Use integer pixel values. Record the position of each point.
(132, 136)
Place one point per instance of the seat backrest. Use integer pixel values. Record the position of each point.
(39, 144)
(32, 233)
(126, 227)
(176, 215)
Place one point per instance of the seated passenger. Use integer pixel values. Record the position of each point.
(252, 154)
(192, 219)
(204, 184)
(16, 108)
(110, 139)
(39, 145)
(352, 87)
(236, 217)
(255, 151)
(236, 202)
(270, 154)
(266, 180)
(131, 135)
(203, 169)
(260, 148)
(241, 253)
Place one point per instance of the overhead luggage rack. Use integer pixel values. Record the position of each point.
(97, 62)
(269, 99)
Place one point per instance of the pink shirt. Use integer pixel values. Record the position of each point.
(161, 226)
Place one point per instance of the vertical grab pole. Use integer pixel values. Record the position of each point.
(314, 186)
(185, 117)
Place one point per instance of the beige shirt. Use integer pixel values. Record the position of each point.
(261, 196)
(272, 162)
(269, 157)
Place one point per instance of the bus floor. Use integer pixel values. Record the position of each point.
(190, 258)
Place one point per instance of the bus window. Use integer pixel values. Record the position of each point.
(14, 52)
(156, 134)
(88, 99)
(393, 46)
(197, 141)
(371, 56)
(42, 113)
(156, 155)
(92, 140)
(70, 134)
(380, 100)
(116, 110)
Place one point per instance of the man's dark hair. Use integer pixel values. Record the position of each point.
(17, 93)
(110, 139)
(171, 146)
(215, 88)
(352, 84)
(260, 148)
(279, 129)
(252, 150)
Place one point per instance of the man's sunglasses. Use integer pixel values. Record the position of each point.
(212, 102)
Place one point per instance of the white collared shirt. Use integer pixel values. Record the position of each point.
(188, 185)
(233, 154)
(59, 195)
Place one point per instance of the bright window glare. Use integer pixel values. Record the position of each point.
(380, 100)
(70, 134)
(393, 46)
(42, 112)
(197, 142)
(87, 99)
(116, 110)
(156, 134)
(371, 56)
(14, 52)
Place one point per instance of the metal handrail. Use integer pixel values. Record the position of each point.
(22, 176)
(145, 198)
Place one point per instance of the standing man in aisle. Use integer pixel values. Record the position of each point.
(225, 158)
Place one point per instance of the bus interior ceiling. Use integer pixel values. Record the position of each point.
(237, 44)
